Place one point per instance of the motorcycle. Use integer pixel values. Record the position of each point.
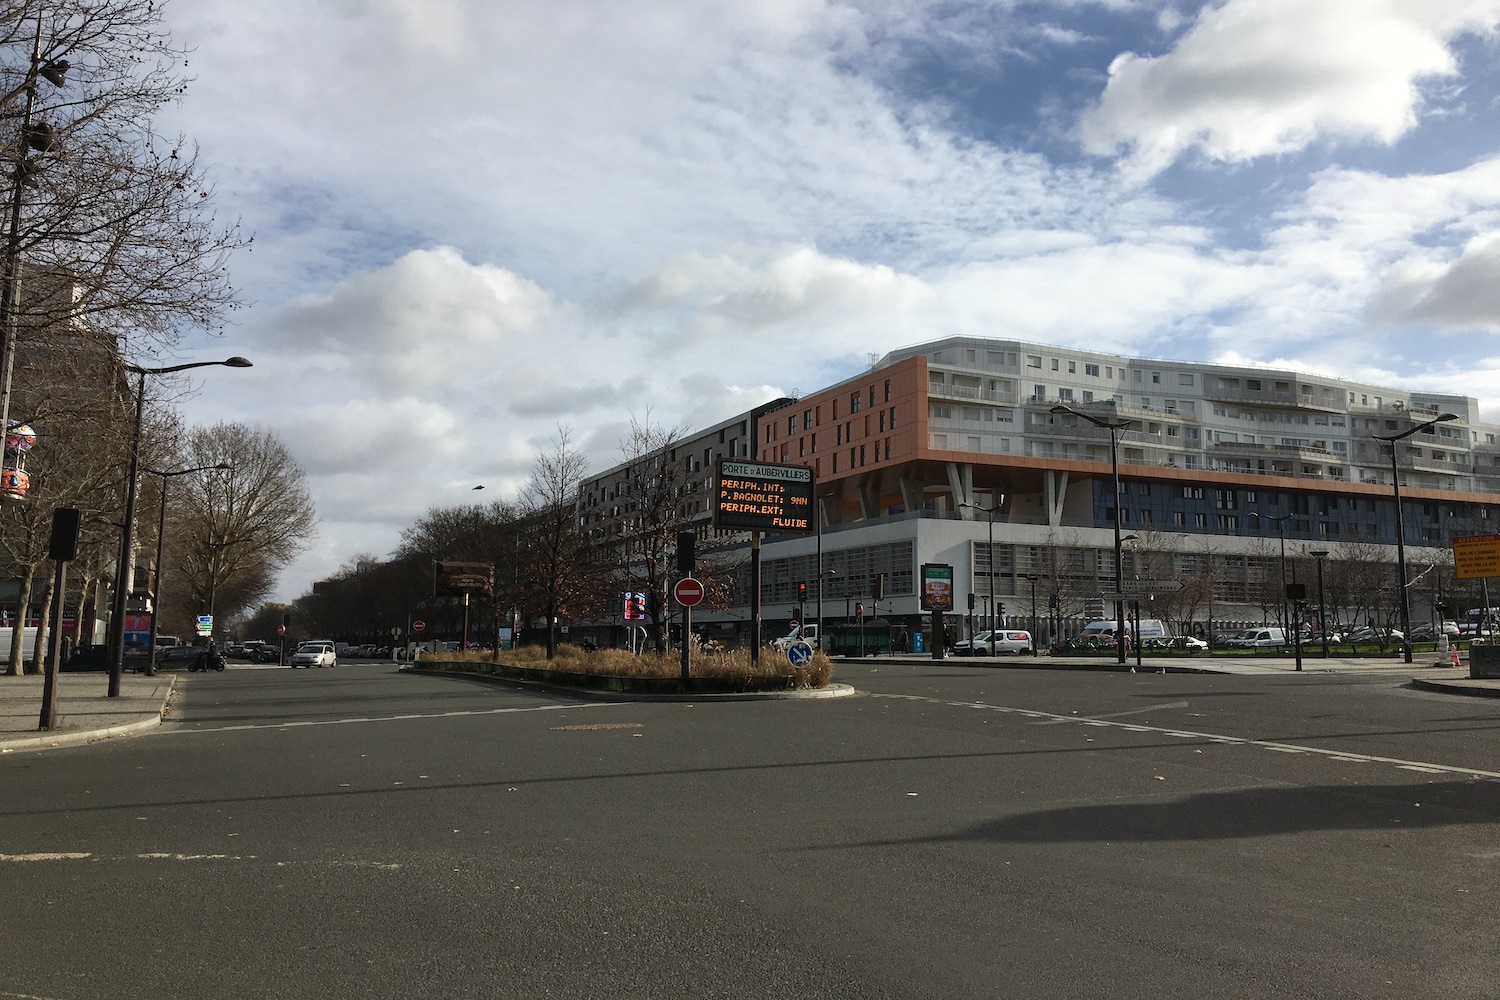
(206, 661)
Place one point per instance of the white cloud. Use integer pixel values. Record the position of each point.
(477, 222)
(1255, 78)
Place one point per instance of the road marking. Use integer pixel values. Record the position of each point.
(1114, 715)
(170, 730)
(54, 856)
(1346, 756)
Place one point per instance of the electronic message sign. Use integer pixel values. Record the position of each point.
(757, 497)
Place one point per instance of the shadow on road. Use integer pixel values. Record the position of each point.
(1251, 812)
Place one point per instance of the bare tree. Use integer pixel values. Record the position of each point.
(660, 485)
(237, 528)
(557, 550)
(124, 213)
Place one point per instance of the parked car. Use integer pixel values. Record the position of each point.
(1427, 632)
(177, 656)
(315, 654)
(1176, 642)
(1005, 641)
(88, 658)
(1366, 634)
(1257, 638)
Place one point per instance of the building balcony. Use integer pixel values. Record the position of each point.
(972, 393)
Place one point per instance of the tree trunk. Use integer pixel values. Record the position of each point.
(44, 626)
(18, 633)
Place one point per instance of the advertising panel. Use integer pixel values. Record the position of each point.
(756, 497)
(937, 587)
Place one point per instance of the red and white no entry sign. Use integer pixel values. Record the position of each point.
(689, 592)
(418, 626)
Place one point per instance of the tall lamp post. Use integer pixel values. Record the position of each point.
(994, 618)
(161, 534)
(1032, 578)
(35, 135)
(127, 536)
(1114, 427)
(1281, 521)
(1391, 440)
(1320, 555)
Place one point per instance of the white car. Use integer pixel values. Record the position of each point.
(315, 654)
(1006, 640)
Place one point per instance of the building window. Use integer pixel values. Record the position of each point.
(1072, 368)
(1179, 518)
(1200, 520)
(1039, 392)
(1066, 395)
(1228, 522)
(1156, 376)
(807, 420)
(1033, 361)
(887, 390)
(1054, 364)
(854, 403)
(1091, 370)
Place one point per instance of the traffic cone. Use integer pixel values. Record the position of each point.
(1453, 656)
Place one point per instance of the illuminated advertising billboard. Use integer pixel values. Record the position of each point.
(937, 587)
(755, 497)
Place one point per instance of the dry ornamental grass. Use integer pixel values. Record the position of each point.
(733, 668)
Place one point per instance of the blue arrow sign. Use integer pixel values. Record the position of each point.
(798, 653)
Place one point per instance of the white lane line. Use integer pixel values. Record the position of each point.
(1135, 727)
(1116, 715)
(166, 731)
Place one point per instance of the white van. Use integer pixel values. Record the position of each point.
(1151, 628)
(1257, 638)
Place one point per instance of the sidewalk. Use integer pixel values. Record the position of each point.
(1425, 675)
(84, 713)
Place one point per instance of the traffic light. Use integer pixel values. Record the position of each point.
(971, 600)
(879, 592)
(801, 592)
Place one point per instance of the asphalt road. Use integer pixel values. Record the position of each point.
(959, 831)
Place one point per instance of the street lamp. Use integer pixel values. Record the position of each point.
(161, 534)
(1114, 427)
(35, 136)
(1032, 578)
(1391, 440)
(127, 537)
(1322, 608)
(1281, 521)
(993, 616)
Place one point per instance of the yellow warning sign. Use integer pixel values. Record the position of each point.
(1476, 556)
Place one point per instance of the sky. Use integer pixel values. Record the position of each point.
(479, 225)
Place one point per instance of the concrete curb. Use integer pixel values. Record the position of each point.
(591, 694)
(80, 737)
(1455, 686)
